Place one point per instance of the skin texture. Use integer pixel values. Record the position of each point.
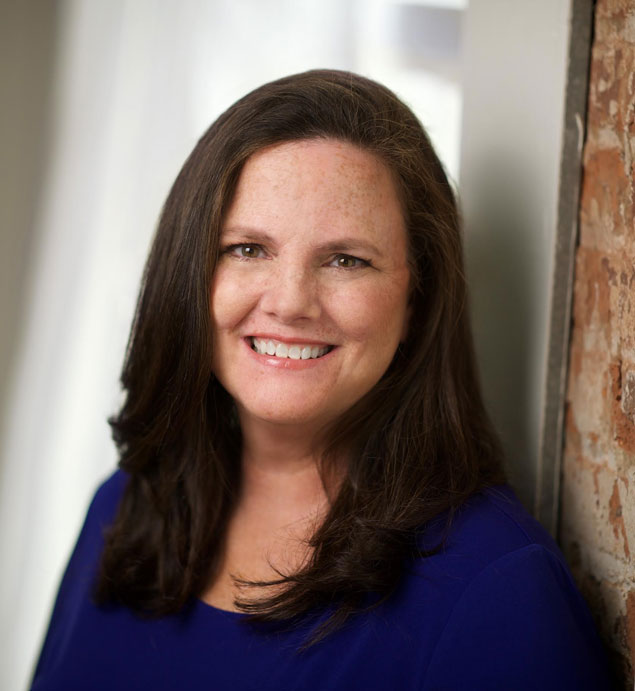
(314, 252)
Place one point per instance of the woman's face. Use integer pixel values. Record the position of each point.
(309, 300)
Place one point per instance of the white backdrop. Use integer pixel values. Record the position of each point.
(137, 82)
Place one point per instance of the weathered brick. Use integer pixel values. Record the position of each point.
(593, 513)
(607, 199)
(598, 486)
(623, 427)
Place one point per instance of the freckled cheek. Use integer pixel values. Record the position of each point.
(230, 301)
(371, 313)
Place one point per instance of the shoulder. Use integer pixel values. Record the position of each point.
(74, 596)
(102, 509)
(84, 561)
(489, 528)
(497, 513)
(108, 494)
(503, 595)
(100, 515)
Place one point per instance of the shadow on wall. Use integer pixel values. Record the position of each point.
(28, 42)
(500, 253)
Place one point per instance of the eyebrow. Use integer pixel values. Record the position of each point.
(248, 234)
(344, 244)
(350, 244)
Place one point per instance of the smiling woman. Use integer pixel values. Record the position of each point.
(303, 438)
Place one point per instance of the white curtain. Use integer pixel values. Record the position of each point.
(137, 83)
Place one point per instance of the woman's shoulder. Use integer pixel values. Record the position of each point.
(108, 493)
(500, 521)
(501, 593)
(99, 517)
(488, 526)
(74, 597)
(489, 538)
(105, 500)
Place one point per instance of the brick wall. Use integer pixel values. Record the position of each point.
(598, 495)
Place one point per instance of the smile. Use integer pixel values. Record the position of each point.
(293, 351)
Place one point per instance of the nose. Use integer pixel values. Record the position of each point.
(291, 293)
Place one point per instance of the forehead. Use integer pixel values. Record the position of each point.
(301, 159)
(326, 179)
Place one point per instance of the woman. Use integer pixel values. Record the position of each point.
(310, 491)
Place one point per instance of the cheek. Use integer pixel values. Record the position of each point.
(373, 313)
(229, 300)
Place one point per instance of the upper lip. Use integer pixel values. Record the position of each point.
(290, 339)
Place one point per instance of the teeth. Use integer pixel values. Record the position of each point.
(293, 352)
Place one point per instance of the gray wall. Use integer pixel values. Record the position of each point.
(27, 48)
(515, 57)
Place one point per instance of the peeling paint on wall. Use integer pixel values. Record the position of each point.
(598, 485)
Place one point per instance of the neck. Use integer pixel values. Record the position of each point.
(281, 503)
(274, 455)
(281, 461)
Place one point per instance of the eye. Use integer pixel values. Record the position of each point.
(245, 251)
(346, 261)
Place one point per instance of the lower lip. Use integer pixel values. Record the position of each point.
(287, 363)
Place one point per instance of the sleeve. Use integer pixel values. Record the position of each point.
(521, 624)
(77, 584)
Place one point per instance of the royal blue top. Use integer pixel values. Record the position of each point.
(495, 609)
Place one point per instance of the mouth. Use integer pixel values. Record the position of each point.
(292, 351)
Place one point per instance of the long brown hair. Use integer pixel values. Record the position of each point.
(418, 444)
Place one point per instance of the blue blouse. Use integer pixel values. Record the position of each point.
(496, 609)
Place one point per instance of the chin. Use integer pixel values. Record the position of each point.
(287, 415)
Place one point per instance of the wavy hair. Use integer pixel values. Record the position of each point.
(418, 444)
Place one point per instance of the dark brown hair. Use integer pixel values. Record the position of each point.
(418, 444)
